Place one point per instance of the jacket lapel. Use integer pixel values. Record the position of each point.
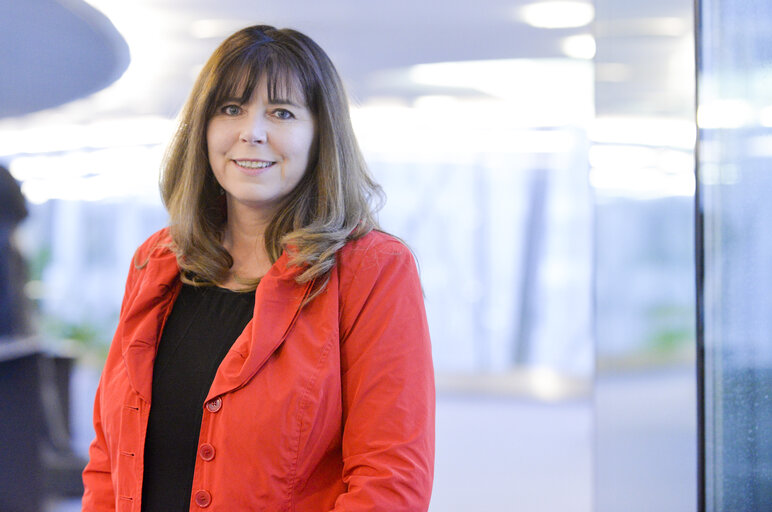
(278, 300)
(158, 286)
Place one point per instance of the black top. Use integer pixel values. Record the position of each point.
(203, 324)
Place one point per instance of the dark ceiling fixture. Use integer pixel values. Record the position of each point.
(53, 52)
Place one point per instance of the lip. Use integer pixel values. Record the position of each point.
(255, 168)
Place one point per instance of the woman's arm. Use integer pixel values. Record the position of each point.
(388, 383)
(97, 479)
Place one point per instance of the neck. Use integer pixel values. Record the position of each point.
(244, 238)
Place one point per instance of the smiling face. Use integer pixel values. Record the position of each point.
(260, 150)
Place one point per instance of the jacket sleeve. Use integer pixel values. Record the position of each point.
(388, 384)
(98, 495)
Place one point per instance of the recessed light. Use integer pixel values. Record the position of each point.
(557, 14)
(579, 47)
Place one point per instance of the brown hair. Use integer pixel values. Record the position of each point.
(336, 199)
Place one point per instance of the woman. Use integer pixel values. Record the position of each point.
(272, 351)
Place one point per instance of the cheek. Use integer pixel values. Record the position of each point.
(305, 145)
(215, 138)
(294, 146)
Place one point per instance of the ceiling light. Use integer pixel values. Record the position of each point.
(765, 116)
(579, 47)
(117, 132)
(535, 88)
(642, 131)
(636, 26)
(726, 113)
(649, 183)
(90, 175)
(429, 133)
(557, 14)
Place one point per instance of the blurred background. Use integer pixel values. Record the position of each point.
(538, 156)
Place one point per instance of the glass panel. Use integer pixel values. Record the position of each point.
(735, 102)
(642, 174)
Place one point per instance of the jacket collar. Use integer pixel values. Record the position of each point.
(278, 300)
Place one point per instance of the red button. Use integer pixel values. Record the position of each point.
(203, 499)
(214, 405)
(206, 451)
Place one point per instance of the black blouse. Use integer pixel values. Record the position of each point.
(203, 324)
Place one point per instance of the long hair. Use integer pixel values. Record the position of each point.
(335, 200)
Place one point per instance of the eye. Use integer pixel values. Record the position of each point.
(283, 113)
(231, 110)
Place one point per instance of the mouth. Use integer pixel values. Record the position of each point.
(254, 164)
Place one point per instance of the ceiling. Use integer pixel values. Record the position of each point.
(65, 49)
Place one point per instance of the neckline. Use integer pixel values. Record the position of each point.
(219, 289)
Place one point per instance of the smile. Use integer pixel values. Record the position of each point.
(253, 164)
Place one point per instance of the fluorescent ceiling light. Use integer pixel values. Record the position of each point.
(557, 14)
(430, 131)
(765, 117)
(728, 113)
(662, 26)
(642, 184)
(644, 131)
(117, 132)
(90, 175)
(579, 47)
(630, 158)
(535, 89)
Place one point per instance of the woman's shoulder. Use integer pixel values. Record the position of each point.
(376, 252)
(157, 244)
(372, 245)
(155, 252)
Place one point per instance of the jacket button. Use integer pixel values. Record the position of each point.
(206, 451)
(203, 499)
(214, 405)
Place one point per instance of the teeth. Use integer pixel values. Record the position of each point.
(253, 164)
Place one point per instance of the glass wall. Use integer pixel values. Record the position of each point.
(735, 152)
(642, 174)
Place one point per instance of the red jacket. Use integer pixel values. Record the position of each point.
(329, 406)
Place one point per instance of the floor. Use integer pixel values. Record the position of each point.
(632, 444)
(493, 453)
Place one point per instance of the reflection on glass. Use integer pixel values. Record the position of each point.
(735, 94)
(642, 175)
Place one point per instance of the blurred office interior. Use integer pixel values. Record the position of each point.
(586, 205)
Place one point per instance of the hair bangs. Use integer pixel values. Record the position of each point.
(286, 80)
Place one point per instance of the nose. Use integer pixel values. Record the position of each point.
(254, 131)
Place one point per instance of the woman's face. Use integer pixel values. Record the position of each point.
(260, 150)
